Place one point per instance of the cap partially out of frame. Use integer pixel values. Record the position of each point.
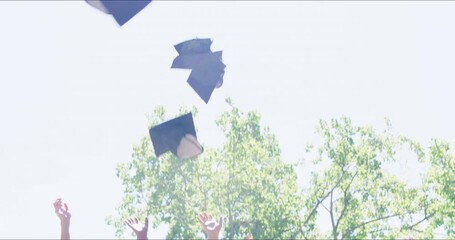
(121, 10)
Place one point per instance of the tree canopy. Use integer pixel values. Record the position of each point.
(247, 181)
(363, 200)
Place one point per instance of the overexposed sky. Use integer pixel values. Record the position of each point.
(75, 87)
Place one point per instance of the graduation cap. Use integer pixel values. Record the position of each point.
(194, 46)
(121, 10)
(207, 66)
(178, 136)
(196, 60)
(205, 80)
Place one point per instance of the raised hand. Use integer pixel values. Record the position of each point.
(138, 228)
(61, 209)
(210, 226)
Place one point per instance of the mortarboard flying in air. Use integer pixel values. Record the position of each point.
(121, 10)
(178, 136)
(207, 66)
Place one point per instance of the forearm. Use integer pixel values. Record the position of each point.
(65, 231)
(212, 236)
(141, 236)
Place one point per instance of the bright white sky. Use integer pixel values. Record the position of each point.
(75, 88)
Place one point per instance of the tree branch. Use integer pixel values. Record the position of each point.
(345, 205)
(427, 217)
(345, 202)
(325, 207)
(334, 230)
(373, 220)
(313, 211)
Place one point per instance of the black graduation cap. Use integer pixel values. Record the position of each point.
(207, 66)
(194, 46)
(196, 60)
(121, 10)
(178, 136)
(205, 80)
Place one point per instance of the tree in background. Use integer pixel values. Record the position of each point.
(364, 201)
(436, 199)
(245, 180)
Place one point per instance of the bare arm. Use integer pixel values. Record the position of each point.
(61, 209)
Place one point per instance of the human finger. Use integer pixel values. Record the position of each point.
(146, 224)
(129, 222)
(201, 221)
(57, 204)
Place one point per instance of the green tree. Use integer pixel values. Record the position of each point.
(364, 201)
(440, 180)
(245, 180)
(436, 198)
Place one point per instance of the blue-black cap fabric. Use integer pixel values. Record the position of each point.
(178, 136)
(121, 10)
(205, 80)
(194, 46)
(196, 60)
(207, 66)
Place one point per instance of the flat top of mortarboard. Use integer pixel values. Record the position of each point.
(194, 46)
(168, 135)
(196, 60)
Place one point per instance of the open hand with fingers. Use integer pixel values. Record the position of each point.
(61, 209)
(211, 227)
(138, 228)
